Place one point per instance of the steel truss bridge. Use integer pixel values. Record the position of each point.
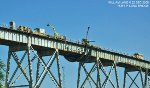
(35, 47)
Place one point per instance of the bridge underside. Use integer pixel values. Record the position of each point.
(34, 55)
(70, 56)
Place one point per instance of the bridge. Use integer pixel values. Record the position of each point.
(35, 47)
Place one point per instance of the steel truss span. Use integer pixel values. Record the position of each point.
(35, 47)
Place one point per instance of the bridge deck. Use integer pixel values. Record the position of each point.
(70, 50)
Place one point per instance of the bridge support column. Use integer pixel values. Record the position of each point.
(113, 66)
(124, 82)
(10, 76)
(38, 68)
(8, 68)
(30, 67)
(99, 69)
(143, 82)
(25, 62)
(146, 79)
(78, 80)
(88, 76)
(47, 66)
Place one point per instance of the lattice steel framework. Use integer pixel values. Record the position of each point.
(98, 67)
(37, 56)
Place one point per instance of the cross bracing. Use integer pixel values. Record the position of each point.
(73, 52)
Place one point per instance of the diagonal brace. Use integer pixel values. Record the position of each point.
(88, 75)
(19, 65)
(133, 80)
